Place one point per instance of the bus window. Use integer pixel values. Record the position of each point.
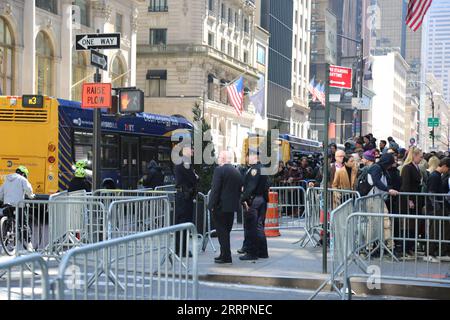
(83, 146)
(110, 151)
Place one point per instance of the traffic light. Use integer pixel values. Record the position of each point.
(131, 101)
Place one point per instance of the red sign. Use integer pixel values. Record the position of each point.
(341, 77)
(96, 95)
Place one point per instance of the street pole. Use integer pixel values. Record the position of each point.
(326, 167)
(361, 83)
(432, 110)
(97, 136)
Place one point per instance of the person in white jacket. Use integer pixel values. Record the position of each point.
(15, 188)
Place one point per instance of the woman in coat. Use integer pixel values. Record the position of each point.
(344, 179)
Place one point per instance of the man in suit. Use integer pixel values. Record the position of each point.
(224, 202)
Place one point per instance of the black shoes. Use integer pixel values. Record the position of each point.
(242, 251)
(248, 257)
(223, 261)
(263, 256)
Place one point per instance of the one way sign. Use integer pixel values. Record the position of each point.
(97, 41)
(99, 60)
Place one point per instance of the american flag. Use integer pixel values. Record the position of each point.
(417, 9)
(311, 89)
(322, 95)
(236, 95)
(317, 93)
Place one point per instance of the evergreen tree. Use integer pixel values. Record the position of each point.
(205, 171)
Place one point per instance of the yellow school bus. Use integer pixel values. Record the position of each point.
(29, 137)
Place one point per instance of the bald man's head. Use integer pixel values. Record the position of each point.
(225, 157)
(340, 155)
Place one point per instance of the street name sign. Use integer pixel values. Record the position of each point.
(341, 77)
(433, 122)
(96, 95)
(99, 60)
(97, 41)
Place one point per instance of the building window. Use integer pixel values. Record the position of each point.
(296, 16)
(222, 45)
(158, 6)
(246, 56)
(211, 5)
(48, 5)
(261, 54)
(79, 73)
(295, 41)
(156, 83)
(7, 64)
(158, 36)
(236, 20)
(118, 75)
(211, 87)
(246, 27)
(230, 16)
(211, 39)
(295, 65)
(80, 12)
(119, 23)
(236, 52)
(223, 92)
(223, 12)
(230, 48)
(44, 64)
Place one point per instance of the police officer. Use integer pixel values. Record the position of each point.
(254, 200)
(186, 181)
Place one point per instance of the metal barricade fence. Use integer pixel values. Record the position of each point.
(373, 256)
(170, 187)
(201, 207)
(314, 215)
(24, 278)
(337, 246)
(53, 227)
(126, 217)
(291, 206)
(134, 267)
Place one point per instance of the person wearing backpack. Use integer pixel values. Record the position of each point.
(362, 185)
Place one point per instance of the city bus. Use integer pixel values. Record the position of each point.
(49, 135)
(290, 147)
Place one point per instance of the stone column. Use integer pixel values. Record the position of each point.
(133, 53)
(28, 62)
(67, 43)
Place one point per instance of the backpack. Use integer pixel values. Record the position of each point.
(362, 183)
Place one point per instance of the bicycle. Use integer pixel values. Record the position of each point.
(8, 231)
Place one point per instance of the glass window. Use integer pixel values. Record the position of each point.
(158, 36)
(49, 5)
(119, 23)
(118, 74)
(83, 146)
(158, 6)
(246, 27)
(79, 73)
(6, 59)
(80, 11)
(44, 64)
(156, 83)
(211, 39)
(110, 151)
(211, 5)
(261, 54)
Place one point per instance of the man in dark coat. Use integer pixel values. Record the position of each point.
(186, 181)
(224, 202)
(155, 177)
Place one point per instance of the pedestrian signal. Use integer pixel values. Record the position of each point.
(131, 101)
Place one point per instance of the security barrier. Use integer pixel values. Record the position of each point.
(420, 258)
(272, 216)
(24, 278)
(204, 223)
(126, 217)
(52, 227)
(131, 268)
(315, 216)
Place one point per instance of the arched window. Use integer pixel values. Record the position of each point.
(44, 64)
(79, 72)
(6, 59)
(81, 12)
(118, 75)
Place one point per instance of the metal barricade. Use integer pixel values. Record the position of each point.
(425, 262)
(337, 246)
(314, 215)
(132, 268)
(201, 206)
(53, 227)
(170, 187)
(291, 206)
(127, 217)
(24, 278)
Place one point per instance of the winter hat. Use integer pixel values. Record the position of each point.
(369, 155)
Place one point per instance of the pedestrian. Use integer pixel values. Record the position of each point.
(393, 144)
(186, 182)
(254, 199)
(345, 179)
(368, 145)
(339, 164)
(79, 181)
(108, 184)
(278, 178)
(439, 232)
(224, 203)
(412, 205)
(383, 146)
(154, 177)
(333, 150)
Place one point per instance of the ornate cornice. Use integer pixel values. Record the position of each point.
(5, 8)
(102, 9)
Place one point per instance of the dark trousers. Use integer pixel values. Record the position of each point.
(184, 213)
(224, 225)
(255, 219)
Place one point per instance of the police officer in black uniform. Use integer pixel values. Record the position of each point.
(186, 181)
(254, 200)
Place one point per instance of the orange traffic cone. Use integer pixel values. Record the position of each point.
(272, 216)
